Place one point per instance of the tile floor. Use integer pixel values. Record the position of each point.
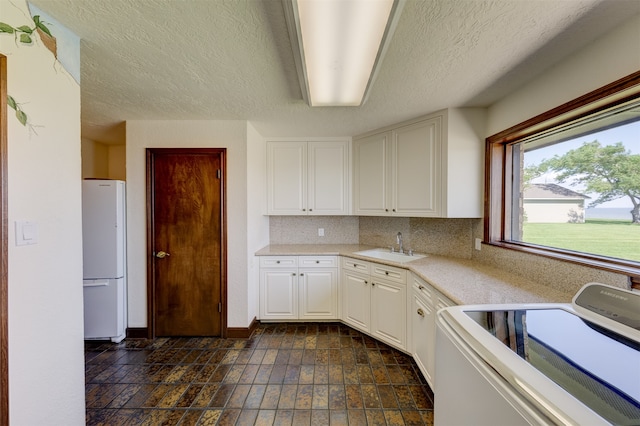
(285, 374)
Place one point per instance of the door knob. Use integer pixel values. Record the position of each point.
(162, 254)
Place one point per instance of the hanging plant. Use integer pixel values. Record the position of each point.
(20, 114)
(24, 33)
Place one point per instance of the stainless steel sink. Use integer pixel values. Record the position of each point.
(385, 254)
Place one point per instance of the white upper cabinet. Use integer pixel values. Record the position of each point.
(428, 167)
(308, 178)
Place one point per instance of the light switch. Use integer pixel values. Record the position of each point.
(320, 232)
(26, 232)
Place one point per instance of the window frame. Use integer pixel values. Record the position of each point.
(498, 165)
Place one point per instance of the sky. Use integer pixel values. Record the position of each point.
(628, 134)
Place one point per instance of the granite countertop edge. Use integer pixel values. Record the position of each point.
(463, 281)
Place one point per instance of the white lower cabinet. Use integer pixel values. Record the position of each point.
(279, 294)
(318, 293)
(298, 287)
(425, 302)
(374, 300)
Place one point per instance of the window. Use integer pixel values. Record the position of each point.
(566, 184)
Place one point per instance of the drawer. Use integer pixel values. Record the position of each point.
(423, 290)
(278, 261)
(390, 273)
(355, 265)
(318, 261)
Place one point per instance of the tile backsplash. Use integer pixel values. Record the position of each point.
(304, 229)
(446, 237)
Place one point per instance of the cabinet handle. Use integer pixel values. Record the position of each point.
(420, 312)
(310, 210)
(366, 282)
(293, 275)
(372, 284)
(304, 210)
(420, 287)
(317, 261)
(386, 210)
(394, 210)
(302, 275)
(277, 261)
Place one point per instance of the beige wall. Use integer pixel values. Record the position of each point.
(103, 161)
(117, 162)
(46, 351)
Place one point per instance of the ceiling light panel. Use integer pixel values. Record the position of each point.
(339, 43)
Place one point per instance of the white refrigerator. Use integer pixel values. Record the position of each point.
(104, 259)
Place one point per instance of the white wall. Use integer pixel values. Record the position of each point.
(196, 134)
(257, 222)
(46, 352)
(609, 58)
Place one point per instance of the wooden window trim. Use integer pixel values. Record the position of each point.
(497, 180)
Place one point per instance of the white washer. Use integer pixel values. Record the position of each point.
(566, 364)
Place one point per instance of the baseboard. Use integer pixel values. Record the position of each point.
(137, 333)
(242, 332)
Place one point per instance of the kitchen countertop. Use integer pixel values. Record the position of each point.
(463, 281)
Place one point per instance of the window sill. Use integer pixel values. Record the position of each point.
(631, 269)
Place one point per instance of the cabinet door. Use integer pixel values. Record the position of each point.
(328, 178)
(370, 184)
(286, 178)
(356, 301)
(389, 312)
(318, 293)
(423, 329)
(416, 176)
(278, 294)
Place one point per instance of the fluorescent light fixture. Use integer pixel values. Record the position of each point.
(338, 46)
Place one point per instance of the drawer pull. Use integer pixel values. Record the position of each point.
(293, 275)
(317, 261)
(386, 272)
(420, 287)
(372, 283)
(421, 312)
(277, 261)
(302, 275)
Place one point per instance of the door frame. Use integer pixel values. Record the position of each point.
(4, 249)
(150, 154)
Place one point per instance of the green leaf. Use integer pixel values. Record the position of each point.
(11, 102)
(22, 117)
(36, 19)
(25, 29)
(25, 38)
(43, 28)
(5, 28)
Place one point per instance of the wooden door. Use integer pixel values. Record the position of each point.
(186, 247)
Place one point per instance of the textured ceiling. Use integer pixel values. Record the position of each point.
(231, 59)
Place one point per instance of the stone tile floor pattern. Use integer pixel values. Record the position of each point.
(284, 374)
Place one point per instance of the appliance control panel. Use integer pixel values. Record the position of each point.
(614, 304)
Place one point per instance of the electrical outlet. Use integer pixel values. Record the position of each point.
(320, 232)
(478, 244)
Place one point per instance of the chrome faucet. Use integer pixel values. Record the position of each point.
(399, 241)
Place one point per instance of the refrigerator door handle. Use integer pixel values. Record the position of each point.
(96, 284)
